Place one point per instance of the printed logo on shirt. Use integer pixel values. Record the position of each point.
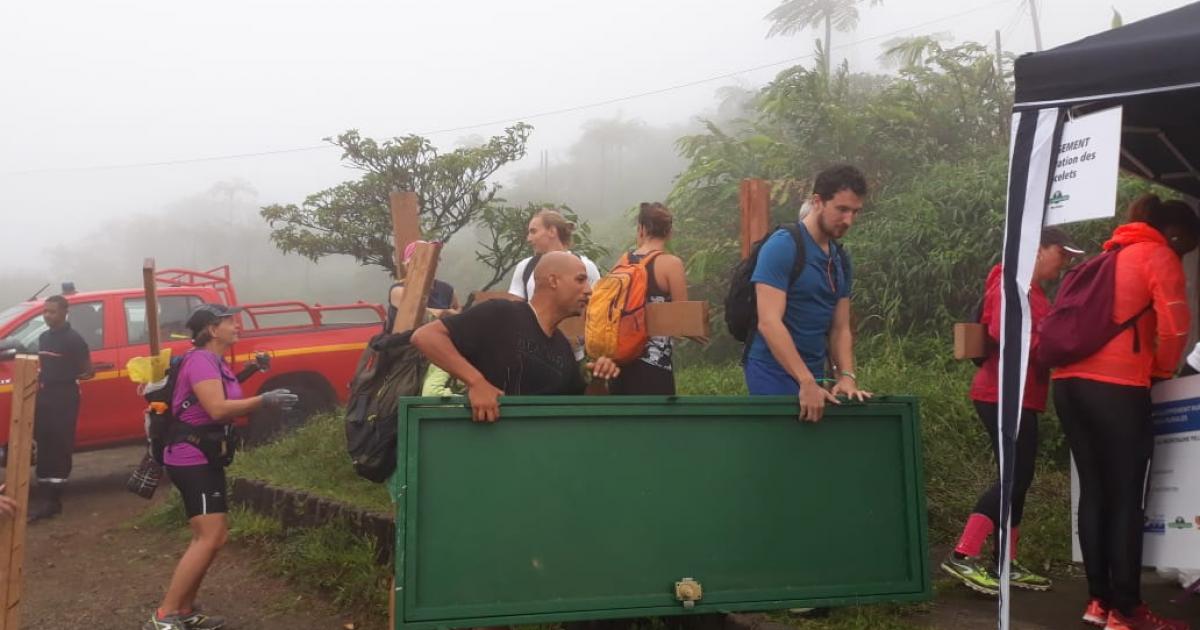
(1154, 525)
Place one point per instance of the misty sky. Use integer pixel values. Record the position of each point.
(90, 84)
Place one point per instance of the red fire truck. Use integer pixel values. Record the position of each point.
(313, 348)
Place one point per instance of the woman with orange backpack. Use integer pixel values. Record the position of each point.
(652, 372)
(1103, 401)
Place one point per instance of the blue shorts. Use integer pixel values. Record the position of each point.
(768, 379)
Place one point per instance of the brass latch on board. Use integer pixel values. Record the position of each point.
(688, 592)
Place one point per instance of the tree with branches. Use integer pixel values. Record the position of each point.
(353, 218)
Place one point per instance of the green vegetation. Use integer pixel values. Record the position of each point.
(883, 617)
(313, 459)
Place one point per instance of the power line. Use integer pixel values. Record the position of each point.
(534, 116)
(1015, 21)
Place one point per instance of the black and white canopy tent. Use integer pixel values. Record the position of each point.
(1152, 69)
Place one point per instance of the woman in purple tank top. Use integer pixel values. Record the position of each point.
(206, 394)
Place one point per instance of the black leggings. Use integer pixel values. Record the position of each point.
(1112, 439)
(1026, 461)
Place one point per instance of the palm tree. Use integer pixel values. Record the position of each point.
(794, 16)
(904, 52)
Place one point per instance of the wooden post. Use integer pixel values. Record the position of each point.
(151, 287)
(406, 223)
(20, 448)
(420, 270)
(418, 280)
(755, 198)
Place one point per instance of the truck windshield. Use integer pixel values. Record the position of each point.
(9, 314)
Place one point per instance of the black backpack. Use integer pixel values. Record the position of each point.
(528, 273)
(390, 368)
(218, 442)
(741, 302)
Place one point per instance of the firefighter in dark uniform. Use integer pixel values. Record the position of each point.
(65, 360)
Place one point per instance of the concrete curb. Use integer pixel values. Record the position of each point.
(293, 508)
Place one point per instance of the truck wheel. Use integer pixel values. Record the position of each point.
(268, 424)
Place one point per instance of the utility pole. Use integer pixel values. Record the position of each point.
(1037, 27)
(999, 60)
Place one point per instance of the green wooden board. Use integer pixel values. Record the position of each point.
(576, 508)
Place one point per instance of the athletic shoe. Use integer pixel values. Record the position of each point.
(197, 620)
(1022, 577)
(1143, 619)
(973, 574)
(1096, 613)
(170, 622)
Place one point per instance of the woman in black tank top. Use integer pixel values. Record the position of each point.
(653, 373)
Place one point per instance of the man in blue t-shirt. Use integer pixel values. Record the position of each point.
(803, 325)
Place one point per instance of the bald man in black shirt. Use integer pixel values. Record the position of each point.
(515, 348)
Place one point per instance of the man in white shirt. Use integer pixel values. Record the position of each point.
(548, 232)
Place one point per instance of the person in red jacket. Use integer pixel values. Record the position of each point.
(1103, 402)
(1055, 253)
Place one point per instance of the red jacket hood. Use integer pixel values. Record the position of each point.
(993, 275)
(1136, 232)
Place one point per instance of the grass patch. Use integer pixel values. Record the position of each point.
(333, 561)
(878, 617)
(313, 459)
(328, 559)
(167, 515)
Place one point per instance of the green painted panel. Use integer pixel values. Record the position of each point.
(576, 508)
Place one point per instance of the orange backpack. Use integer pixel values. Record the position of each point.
(615, 319)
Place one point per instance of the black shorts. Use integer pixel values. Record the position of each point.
(641, 378)
(202, 488)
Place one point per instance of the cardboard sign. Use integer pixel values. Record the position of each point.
(678, 319)
(970, 341)
(1084, 184)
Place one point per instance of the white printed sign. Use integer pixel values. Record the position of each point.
(1084, 184)
(1172, 529)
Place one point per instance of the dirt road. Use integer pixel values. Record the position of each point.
(89, 568)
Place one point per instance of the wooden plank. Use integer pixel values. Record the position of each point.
(418, 281)
(406, 223)
(17, 478)
(418, 276)
(678, 319)
(151, 288)
(754, 196)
